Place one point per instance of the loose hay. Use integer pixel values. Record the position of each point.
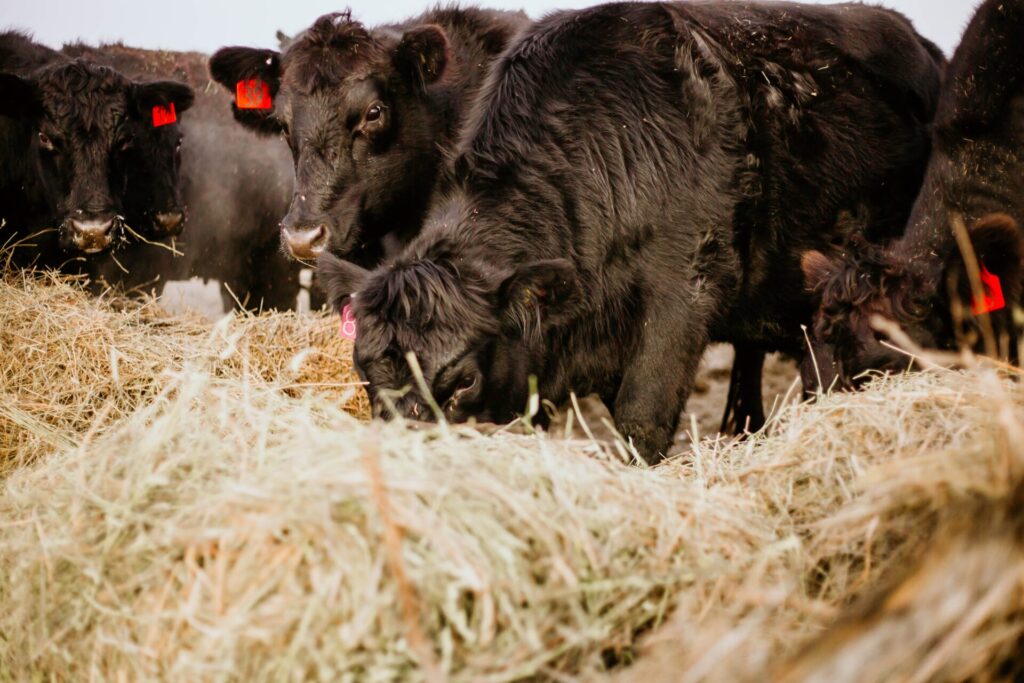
(70, 362)
(225, 529)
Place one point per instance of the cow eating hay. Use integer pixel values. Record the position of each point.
(212, 526)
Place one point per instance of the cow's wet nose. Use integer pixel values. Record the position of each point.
(305, 242)
(169, 223)
(92, 235)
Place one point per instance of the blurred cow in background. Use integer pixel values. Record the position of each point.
(234, 188)
(77, 143)
(975, 179)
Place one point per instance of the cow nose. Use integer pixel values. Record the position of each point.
(169, 223)
(92, 235)
(305, 242)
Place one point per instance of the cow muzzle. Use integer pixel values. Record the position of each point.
(304, 243)
(169, 223)
(91, 235)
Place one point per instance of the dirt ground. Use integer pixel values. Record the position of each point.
(707, 403)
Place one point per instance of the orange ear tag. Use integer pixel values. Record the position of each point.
(253, 94)
(163, 116)
(993, 300)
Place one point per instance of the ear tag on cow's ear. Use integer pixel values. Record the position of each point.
(253, 94)
(164, 116)
(993, 299)
(348, 323)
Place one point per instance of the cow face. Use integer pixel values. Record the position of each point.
(867, 283)
(153, 203)
(476, 340)
(83, 126)
(355, 112)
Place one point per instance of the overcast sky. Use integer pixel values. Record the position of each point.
(206, 25)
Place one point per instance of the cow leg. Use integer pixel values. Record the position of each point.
(655, 386)
(744, 409)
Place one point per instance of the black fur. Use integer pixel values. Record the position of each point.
(234, 186)
(976, 173)
(154, 162)
(368, 114)
(75, 145)
(638, 180)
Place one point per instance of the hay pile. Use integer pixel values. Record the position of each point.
(224, 529)
(70, 363)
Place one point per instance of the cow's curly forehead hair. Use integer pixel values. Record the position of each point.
(94, 97)
(428, 297)
(866, 282)
(334, 48)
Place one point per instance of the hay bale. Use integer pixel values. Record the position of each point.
(225, 520)
(958, 615)
(855, 487)
(72, 362)
(264, 537)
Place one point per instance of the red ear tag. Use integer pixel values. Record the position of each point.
(163, 116)
(348, 324)
(993, 300)
(253, 94)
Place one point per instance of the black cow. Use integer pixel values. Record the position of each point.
(153, 205)
(73, 148)
(636, 181)
(234, 186)
(976, 175)
(368, 114)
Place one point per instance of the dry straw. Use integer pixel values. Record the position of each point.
(70, 362)
(214, 525)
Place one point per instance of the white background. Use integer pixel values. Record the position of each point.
(206, 25)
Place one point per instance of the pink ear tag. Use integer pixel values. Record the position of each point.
(993, 300)
(253, 94)
(163, 116)
(348, 323)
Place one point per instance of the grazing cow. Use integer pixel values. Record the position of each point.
(636, 181)
(234, 186)
(368, 114)
(73, 148)
(976, 175)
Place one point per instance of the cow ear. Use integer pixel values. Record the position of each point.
(817, 269)
(422, 55)
(543, 292)
(17, 96)
(999, 246)
(162, 94)
(230, 66)
(339, 279)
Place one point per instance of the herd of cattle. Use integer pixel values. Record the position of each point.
(577, 204)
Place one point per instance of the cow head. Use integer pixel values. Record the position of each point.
(354, 108)
(476, 335)
(83, 126)
(153, 203)
(925, 299)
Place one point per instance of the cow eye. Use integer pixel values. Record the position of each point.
(45, 142)
(467, 383)
(374, 113)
